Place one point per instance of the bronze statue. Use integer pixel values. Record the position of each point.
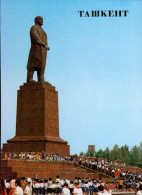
(38, 51)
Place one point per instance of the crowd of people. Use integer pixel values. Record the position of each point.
(78, 186)
(123, 180)
(100, 165)
(38, 156)
(108, 168)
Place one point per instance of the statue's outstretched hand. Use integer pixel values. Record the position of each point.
(48, 48)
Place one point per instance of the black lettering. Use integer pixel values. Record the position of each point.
(110, 12)
(86, 14)
(93, 14)
(125, 12)
(81, 13)
(97, 13)
(103, 13)
(116, 13)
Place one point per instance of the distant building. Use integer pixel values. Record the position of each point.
(91, 147)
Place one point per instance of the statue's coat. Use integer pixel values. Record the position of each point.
(37, 55)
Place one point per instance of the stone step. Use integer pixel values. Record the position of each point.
(19, 163)
(10, 168)
(44, 169)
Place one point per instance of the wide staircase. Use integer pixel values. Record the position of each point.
(101, 174)
(35, 169)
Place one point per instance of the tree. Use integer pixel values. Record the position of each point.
(90, 153)
(107, 154)
(125, 154)
(100, 153)
(135, 154)
(132, 157)
(114, 152)
(140, 148)
(81, 154)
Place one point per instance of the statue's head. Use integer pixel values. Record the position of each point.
(39, 20)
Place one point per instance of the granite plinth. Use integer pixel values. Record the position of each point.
(37, 122)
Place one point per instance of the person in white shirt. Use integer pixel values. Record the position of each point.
(140, 190)
(58, 179)
(107, 190)
(65, 190)
(101, 190)
(53, 187)
(7, 185)
(49, 190)
(139, 177)
(62, 182)
(46, 185)
(77, 190)
(36, 186)
(42, 187)
(12, 185)
(86, 187)
(82, 184)
(71, 187)
(58, 188)
(28, 189)
(18, 189)
(67, 181)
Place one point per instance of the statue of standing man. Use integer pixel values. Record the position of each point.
(38, 51)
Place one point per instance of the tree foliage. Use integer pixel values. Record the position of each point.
(82, 154)
(131, 157)
(100, 154)
(136, 156)
(90, 153)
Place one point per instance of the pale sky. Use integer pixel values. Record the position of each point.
(94, 63)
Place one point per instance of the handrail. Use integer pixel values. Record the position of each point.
(93, 170)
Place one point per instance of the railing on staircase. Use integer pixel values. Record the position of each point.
(92, 170)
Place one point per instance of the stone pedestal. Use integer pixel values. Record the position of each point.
(37, 123)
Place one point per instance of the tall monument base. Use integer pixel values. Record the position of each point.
(50, 147)
(37, 124)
